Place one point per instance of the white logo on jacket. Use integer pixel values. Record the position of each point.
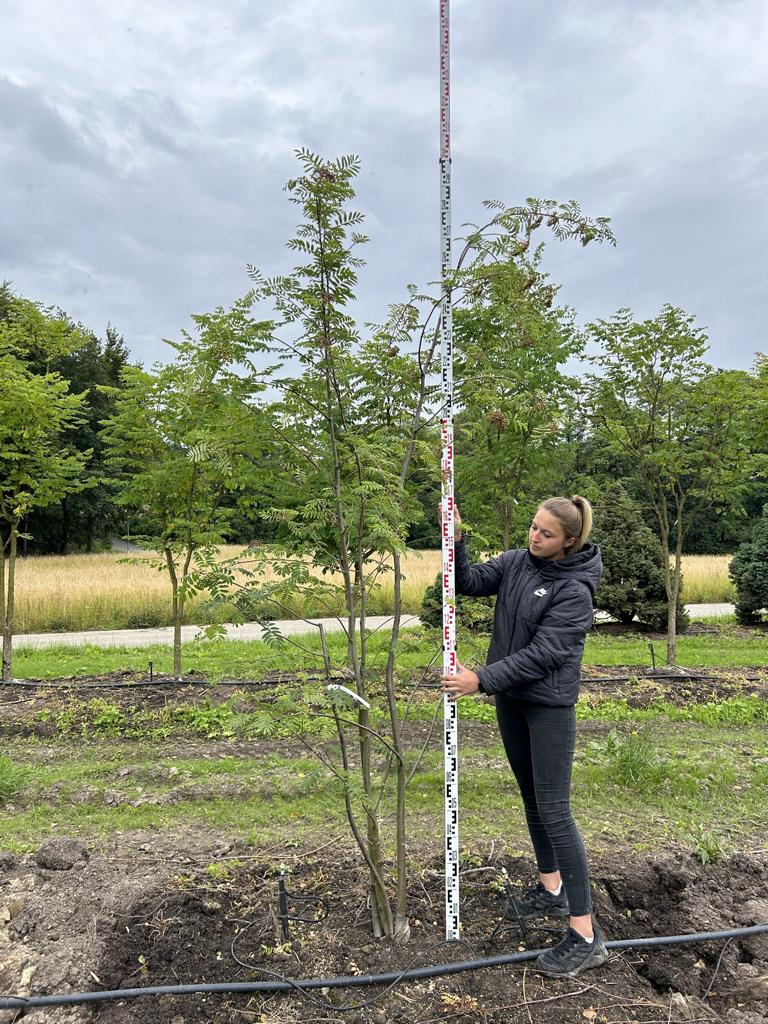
(541, 592)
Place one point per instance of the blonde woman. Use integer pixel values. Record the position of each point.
(543, 610)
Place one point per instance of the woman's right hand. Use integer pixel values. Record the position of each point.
(456, 520)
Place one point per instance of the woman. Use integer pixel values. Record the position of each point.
(543, 611)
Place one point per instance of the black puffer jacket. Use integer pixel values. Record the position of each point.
(543, 612)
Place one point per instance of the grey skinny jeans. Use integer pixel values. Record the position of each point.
(539, 742)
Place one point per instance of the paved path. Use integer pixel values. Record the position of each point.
(164, 634)
(248, 631)
(709, 611)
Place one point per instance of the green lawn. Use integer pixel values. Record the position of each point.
(646, 784)
(417, 648)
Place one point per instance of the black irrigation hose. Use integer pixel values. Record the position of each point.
(140, 684)
(41, 684)
(74, 684)
(677, 677)
(350, 981)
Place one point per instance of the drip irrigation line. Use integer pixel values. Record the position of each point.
(140, 684)
(717, 968)
(677, 677)
(31, 684)
(354, 981)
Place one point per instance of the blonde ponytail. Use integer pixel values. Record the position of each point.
(575, 516)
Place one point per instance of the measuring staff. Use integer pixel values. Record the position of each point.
(450, 664)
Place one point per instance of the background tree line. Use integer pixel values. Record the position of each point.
(524, 428)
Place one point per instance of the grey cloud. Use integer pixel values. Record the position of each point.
(144, 172)
(27, 116)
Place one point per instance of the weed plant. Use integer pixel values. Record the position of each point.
(632, 759)
(707, 846)
(11, 778)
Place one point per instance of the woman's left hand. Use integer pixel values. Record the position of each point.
(463, 684)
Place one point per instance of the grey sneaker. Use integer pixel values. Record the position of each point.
(539, 902)
(573, 955)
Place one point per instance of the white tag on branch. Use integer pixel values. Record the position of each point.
(349, 693)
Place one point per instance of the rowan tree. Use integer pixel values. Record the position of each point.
(357, 425)
(182, 438)
(351, 424)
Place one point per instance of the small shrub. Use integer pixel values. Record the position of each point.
(255, 609)
(146, 618)
(474, 613)
(59, 623)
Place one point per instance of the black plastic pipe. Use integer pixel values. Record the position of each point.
(74, 684)
(42, 684)
(676, 678)
(350, 981)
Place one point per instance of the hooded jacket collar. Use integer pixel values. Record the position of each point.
(585, 565)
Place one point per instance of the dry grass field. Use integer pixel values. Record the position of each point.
(102, 591)
(72, 592)
(705, 579)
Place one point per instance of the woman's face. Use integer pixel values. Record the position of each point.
(546, 536)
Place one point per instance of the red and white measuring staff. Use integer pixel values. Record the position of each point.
(450, 661)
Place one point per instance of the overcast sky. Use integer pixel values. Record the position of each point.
(144, 147)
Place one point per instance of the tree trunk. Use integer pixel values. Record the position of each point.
(65, 526)
(381, 910)
(659, 503)
(381, 914)
(673, 599)
(669, 586)
(177, 608)
(3, 544)
(671, 631)
(402, 929)
(9, 594)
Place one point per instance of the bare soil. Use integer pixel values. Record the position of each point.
(144, 914)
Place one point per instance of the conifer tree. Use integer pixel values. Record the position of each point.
(632, 586)
(749, 572)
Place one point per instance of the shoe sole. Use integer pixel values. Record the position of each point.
(594, 961)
